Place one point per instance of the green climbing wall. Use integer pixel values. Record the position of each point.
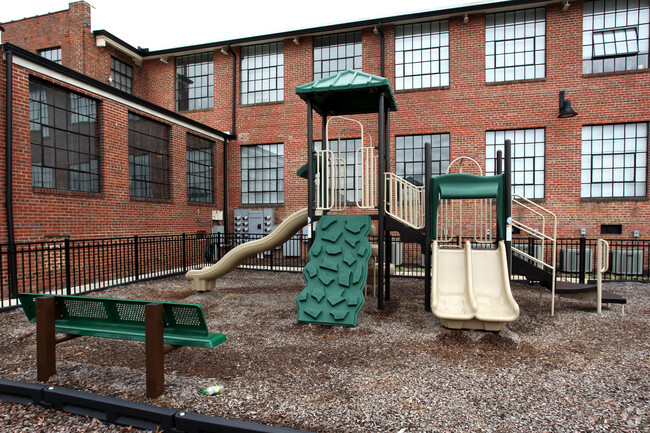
(336, 272)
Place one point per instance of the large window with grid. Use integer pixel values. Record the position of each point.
(148, 158)
(615, 35)
(422, 55)
(345, 149)
(262, 73)
(614, 160)
(121, 75)
(528, 159)
(262, 174)
(336, 53)
(200, 169)
(515, 45)
(409, 156)
(64, 137)
(53, 54)
(194, 82)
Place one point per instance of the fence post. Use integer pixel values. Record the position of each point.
(13, 271)
(136, 257)
(582, 257)
(66, 250)
(184, 255)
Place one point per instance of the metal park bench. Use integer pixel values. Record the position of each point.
(163, 326)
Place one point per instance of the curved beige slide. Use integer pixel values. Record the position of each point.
(203, 279)
(470, 288)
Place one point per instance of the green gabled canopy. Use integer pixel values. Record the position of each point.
(348, 92)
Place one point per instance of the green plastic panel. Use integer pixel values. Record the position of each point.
(468, 186)
(336, 272)
(123, 319)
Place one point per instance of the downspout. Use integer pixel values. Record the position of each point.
(382, 44)
(233, 134)
(9, 199)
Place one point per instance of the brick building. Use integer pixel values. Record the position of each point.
(465, 79)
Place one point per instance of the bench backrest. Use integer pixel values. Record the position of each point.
(180, 318)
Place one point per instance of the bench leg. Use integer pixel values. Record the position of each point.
(45, 338)
(155, 350)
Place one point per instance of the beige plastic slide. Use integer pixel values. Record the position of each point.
(471, 288)
(203, 279)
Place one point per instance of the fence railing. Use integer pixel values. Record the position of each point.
(81, 266)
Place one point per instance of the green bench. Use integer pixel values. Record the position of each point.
(163, 326)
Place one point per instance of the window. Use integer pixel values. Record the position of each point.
(121, 75)
(615, 35)
(336, 53)
(515, 45)
(148, 158)
(194, 82)
(527, 164)
(262, 73)
(53, 54)
(422, 55)
(262, 174)
(346, 150)
(200, 169)
(409, 156)
(614, 160)
(64, 131)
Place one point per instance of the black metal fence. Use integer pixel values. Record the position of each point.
(81, 266)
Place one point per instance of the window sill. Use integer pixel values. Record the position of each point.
(257, 104)
(423, 89)
(69, 193)
(606, 74)
(152, 200)
(500, 83)
(611, 199)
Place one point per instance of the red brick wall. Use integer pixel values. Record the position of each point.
(42, 213)
(466, 109)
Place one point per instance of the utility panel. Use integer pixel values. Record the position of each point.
(252, 223)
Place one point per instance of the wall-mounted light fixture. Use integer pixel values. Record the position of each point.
(466, 19)
(224, 51)
(296, 40)
(565, 107)
(565, 5)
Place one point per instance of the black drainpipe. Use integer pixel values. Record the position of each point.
(9, 199)
(382, 54)
(233, 134)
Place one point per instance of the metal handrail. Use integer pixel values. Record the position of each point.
(404, 201)
(602, 264)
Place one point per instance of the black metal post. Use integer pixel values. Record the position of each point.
(66, 251)
(582, 259)
(184, 254)
(389, 259)
(507, 169)
(427, 227)
(499, 161)
(136, 257)
(381, 213)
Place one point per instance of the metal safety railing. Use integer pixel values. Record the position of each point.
(404, 201)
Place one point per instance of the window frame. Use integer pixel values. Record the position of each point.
(409, 152)
(625, 16)
(523, 164)
(510, 34)
(194, 78)
(64, 138)
(148, 143)
(47, 54)
(271, 177)
(262, 73)
(415, 61)
(594, 166)
(339, 48)
(200, 174)
(121, 75)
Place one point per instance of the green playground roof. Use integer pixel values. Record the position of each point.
(348, 92)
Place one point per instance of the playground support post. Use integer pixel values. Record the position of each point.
(310, 171)
(381, 211)
(427, 227)
(508, 201)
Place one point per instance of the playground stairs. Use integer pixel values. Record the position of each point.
(566, 289)
(336, 272)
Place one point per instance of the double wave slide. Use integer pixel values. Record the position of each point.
(471, 288)
(204, 279)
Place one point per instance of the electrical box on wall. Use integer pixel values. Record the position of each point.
(217, 215)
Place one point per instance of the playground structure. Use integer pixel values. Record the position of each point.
(467, 283)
